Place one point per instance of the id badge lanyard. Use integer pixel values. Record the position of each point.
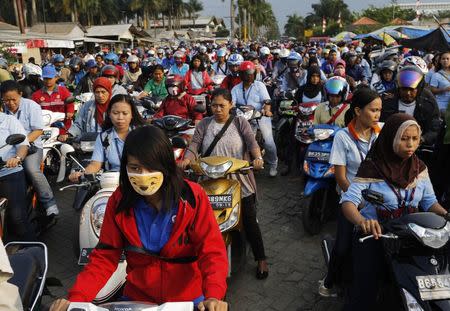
(246, 93)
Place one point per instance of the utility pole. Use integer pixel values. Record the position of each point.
(232, 19)
(43, 16)
(20, 15)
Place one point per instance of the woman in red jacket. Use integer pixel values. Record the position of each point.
(165, 225)
(197, 80)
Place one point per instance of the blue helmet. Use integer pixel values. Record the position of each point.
(112, 57)
(57, 58)
(221, 53)
(337, 86)
(235, 59)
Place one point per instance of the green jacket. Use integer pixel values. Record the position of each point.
(158, 90)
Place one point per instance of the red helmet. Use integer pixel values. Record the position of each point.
(110, 70)
(175, 80)
(248, 67)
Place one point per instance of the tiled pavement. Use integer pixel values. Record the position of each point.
(295, 259)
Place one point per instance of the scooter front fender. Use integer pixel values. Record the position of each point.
(314, 184)
(405, 272)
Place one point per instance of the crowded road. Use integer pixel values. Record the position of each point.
(295, 258)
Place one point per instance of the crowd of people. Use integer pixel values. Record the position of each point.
(389, 108)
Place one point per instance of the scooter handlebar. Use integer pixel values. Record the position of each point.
(384, 236)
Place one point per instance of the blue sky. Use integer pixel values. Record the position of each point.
(282, 8)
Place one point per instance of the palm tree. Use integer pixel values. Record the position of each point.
(192, 7)
(294, 26)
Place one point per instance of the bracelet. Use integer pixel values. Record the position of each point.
(259, 158)
(18, 158)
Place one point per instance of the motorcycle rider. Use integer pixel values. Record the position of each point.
(29, 114)
(254, 93)
(197, 80)
(293, 77)
(91, 115)
(58, 61)
(156, 86)
(179, 67)
(412, 98)
(354, 70)
(238, 141)
(120, 118)
(312, 90)
(333, 111)
(386, 84)
(112, 59)
(392, 169)
(350, 147)
(76, 72)
(12, 181)
(86, 84)
(265, 60)
(5, 75)
(281, 66)
(32, 81)
(178, 102)
(112, 74)
(232, 79)
(221, 66)
(328, 66)
(167, 226)
(132, 74)
(52, 96)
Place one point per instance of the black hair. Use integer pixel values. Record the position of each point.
(225, 93)
(151, 146)
(363, 96)
(438, 64)
(9, 86)
(158, 67)
(136, 119)
(202, 65)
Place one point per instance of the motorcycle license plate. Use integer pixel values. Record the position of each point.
(432, 287)
(318, 156)
(84, 256)
(220, 201)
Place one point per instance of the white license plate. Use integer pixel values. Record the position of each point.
(432, 287)
(220, 201)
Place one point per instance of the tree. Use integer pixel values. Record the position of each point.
(331, 10)
(385, 15)
(295, 26)
(192, 8)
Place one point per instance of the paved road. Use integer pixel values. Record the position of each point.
(295, 259)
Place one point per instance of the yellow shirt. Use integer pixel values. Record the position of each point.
(323, 114)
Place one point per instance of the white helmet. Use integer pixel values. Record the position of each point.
(31, 69)
(133, 59)
(264, 51)
(276, 51)
(284, 53)
(414, 61)
(202, 49)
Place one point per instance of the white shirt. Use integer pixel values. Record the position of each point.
(255, 95)
(407, 108)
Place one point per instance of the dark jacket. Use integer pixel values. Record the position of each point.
(86, 84)
(426, 113)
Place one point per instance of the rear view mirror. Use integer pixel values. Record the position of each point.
(179, 142)
(15, 139)
(200, 108)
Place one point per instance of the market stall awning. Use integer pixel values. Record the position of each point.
(344, 36)
(437, 40)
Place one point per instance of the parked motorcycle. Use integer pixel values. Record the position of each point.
(320, 197)
(225, 197)
(416, 252)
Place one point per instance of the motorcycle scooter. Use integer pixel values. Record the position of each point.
(131, 306)
(416, 250)
(320, 197)
(224, 195)
(96, 190)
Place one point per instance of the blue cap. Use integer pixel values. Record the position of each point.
(91, 64)
(49, 72)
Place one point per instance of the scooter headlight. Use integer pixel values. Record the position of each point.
(411, 302)
(232, 220)
(246, 114)
(216, 171)
(87, 146)
(434, 238)
(98, 213)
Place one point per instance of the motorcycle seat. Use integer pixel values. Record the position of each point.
(28, 266)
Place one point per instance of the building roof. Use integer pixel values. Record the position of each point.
(365, 21)
(6, 26)
(122, 31)
(399, 21)
(63, 28)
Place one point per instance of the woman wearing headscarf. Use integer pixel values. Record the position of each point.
(312, 91)
(91, 115)
(392, 169)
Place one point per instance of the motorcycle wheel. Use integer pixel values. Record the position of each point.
(51, 166)
(312, 216)
(76, 234)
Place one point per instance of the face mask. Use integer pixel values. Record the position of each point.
(178, 61)
(339, 72)
(173, 90)
(147, 183)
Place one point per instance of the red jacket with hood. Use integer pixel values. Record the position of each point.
(182, 106)
(195, 233)
(207, 83)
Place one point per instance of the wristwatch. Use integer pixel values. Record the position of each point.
(18, 158)
(259, 158)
